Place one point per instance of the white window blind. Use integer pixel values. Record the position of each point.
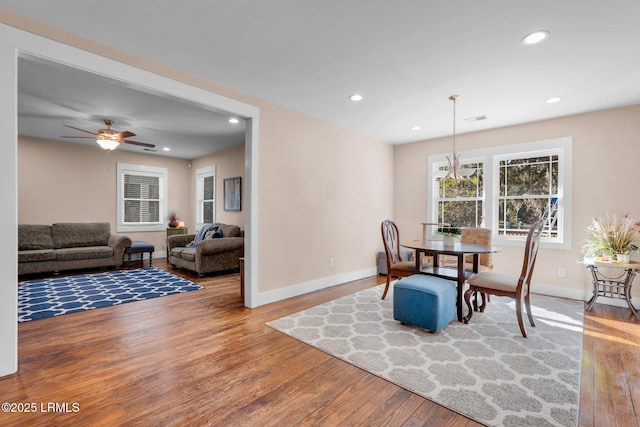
(141, 198)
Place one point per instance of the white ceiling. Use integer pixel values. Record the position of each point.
(405, 57)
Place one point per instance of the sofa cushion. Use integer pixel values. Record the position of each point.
(177, 252)
(34, 237)
(73, 235)
(189, 254)
(84, 252)
(230, 230)
(37, 255)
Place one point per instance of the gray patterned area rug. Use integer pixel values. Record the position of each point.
(484, 370)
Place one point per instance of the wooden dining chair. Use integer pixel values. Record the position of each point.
(396, 266)
(503, 285)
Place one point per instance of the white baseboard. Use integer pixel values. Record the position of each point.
(314, 285)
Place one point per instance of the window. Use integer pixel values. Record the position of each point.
(141, 198)
(512, 186)
(528, 188)
(206, 195)
(460, 202)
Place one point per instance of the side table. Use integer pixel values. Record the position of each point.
(177, 230)
(242, 279)
(616, 286)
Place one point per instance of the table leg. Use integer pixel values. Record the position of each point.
(627, 292)
(150, 259)
(418, 256)
(460, 285)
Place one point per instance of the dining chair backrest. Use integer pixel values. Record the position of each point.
(478, 236)
(530, 254)
(391, 240)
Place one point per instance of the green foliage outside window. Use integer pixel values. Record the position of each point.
(460, 202)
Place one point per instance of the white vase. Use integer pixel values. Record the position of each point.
(622, 258)
(448, 240)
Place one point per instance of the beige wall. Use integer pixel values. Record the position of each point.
(66, 182)
(605, 157)
(323, 192)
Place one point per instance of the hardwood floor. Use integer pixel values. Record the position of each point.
(201, 358)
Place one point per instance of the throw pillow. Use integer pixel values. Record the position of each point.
(213, 233)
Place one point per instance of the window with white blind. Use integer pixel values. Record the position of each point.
(141, 198)
(205, 195)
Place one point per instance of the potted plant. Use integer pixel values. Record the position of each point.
(611, 237)
(174, 220)
(451, 232)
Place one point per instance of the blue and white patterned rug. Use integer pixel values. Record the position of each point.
(38, 299)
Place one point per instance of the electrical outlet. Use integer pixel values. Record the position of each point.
(331, 262)
(561, 272)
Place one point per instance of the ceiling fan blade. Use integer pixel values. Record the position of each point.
(125, 134)
(87, 137)
(81, 130)
(141, 144)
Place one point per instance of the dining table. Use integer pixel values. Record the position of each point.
(458, 249)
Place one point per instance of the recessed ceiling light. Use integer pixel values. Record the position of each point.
(166, 149)
(535, 37)
(356, 97)
(553, 100)
(234, 121)
(416, 128)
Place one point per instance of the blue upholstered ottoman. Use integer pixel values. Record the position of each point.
(428, 302)
(139, 247)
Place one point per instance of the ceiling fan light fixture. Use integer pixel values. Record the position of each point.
(107, 143)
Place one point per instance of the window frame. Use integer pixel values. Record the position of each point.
(162, 174)
(201, 174)
(475, 199)
(491, 157)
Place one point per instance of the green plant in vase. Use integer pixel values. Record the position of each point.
(451, 232)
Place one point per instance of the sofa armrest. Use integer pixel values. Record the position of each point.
(118, 242)
(223, 244)
(179, 240)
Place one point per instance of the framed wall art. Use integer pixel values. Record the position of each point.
(233, 194)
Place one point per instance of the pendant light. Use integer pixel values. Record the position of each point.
(454, 170)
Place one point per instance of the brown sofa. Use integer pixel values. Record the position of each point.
(68, 246)
(209, 255)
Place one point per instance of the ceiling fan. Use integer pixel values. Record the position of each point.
(108, 138)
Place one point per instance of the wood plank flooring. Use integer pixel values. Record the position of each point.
(201, 358)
